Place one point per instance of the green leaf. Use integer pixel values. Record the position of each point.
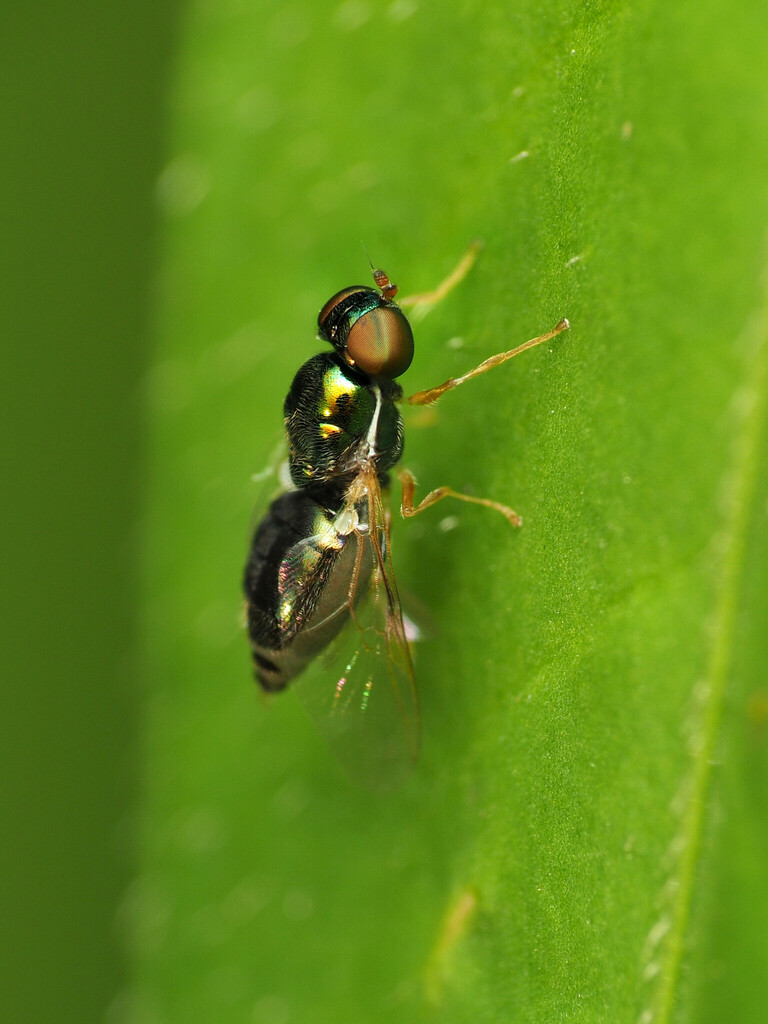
(582, 839)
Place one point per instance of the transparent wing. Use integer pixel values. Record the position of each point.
(362, 694)
(268, 482)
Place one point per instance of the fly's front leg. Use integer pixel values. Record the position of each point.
(408, 509)
(432, 394)
(421, 304)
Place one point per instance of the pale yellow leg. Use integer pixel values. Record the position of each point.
(408, 509)
(432, 394)
(426, 300)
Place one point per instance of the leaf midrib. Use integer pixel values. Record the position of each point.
(731, 542)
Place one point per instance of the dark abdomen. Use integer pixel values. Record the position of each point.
(296, 586)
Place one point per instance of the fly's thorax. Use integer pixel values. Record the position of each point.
(329, 414)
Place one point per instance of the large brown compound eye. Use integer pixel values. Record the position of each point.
(380, 343)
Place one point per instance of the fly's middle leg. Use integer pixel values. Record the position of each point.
(408, 509)
(432, 394)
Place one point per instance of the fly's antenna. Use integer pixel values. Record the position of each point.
(385, 286)
(370, 261)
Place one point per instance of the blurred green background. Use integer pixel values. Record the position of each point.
(586, 836)
(83, 107)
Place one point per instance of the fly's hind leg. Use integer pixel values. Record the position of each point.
(408, 509)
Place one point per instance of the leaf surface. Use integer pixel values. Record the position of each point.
(583, 838)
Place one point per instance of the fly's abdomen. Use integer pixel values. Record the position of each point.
(297, 585)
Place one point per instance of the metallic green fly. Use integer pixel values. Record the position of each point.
(319, 581)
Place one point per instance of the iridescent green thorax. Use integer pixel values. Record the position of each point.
(328, 413)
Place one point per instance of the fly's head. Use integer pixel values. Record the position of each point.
(367, 329)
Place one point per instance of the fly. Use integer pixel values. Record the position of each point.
(319, 580)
